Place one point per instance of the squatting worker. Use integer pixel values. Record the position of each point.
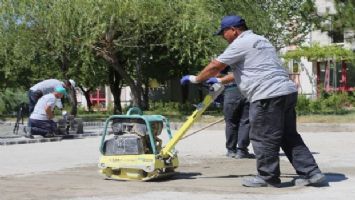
(272, 95)
(46, 87)
(43, 113)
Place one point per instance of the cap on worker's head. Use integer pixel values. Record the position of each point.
(230, 21)
(72, 83)
(61, 90)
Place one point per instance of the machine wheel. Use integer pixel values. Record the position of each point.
(76, 125)
(61, 129)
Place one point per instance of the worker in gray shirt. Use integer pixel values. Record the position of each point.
(41, 119)
(46, 87)
(261, 78)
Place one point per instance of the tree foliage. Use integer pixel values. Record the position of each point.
(139, 40)
(341, 21)
(284, 22)
(345, 16)
(318, 53)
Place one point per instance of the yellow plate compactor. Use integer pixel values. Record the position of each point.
(133, 150)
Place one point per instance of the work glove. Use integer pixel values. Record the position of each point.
(188, 79)
(213, 80)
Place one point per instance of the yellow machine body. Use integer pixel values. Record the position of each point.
(137, 167)
(162, 161)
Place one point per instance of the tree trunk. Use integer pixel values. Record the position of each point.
(146, 94)
(117, 108)
(115, 80)
(136, 89)
(107, 52)
(74, 101)
(87, 97)
(64, 63)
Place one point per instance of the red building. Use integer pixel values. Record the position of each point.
(335, 76)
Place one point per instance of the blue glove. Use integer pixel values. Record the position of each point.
(213, 80)
(188, 79)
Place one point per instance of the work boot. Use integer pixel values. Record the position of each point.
(48, 135)
(256, 181)
(27, 132)
(244, 155)
(230, 154)
(316, 179)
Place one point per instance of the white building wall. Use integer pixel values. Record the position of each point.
(349, 36)
(81, 99)
(325, 6)
(319, 37)
(308, 79)
(126, 97)
(316, 36)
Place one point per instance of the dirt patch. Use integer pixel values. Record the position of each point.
(213, 175)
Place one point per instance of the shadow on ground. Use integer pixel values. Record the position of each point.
(335, 177)
(330, 177)
(183, 175)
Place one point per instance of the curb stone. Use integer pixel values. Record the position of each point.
(6, 142)
(98, 131)
(311, 127)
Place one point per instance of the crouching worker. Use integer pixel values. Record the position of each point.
(41, 119)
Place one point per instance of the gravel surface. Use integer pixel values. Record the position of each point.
(68, 170)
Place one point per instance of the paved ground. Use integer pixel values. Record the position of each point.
(10, 137)
(68, 170)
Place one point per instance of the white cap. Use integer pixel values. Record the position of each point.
(72, 83)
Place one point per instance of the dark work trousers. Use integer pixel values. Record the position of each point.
(273, 125)
(42, 127)
(236, 116)
(33, 97)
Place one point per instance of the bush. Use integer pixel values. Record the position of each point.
(351, 97)
(315, 106)
(303, 105)
(335, 103)
(177, 110)
(10, 101)
(171, 108)
(331, 103)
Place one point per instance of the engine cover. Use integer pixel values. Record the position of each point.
(126, 144)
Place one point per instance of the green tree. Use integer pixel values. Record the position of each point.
(46, 36)
(17, 55)
(344, 19)
(139, 40)
(284, 22)
(137, 36)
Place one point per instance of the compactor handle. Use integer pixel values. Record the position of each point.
(214, 91)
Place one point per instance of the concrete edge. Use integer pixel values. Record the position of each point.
(7, 142)
(175, 124)
(23, 140)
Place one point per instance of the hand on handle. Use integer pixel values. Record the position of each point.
(188, 79)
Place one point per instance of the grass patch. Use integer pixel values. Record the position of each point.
(343, 118)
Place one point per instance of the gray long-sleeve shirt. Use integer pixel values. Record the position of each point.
(257, 69)
(48, 86)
